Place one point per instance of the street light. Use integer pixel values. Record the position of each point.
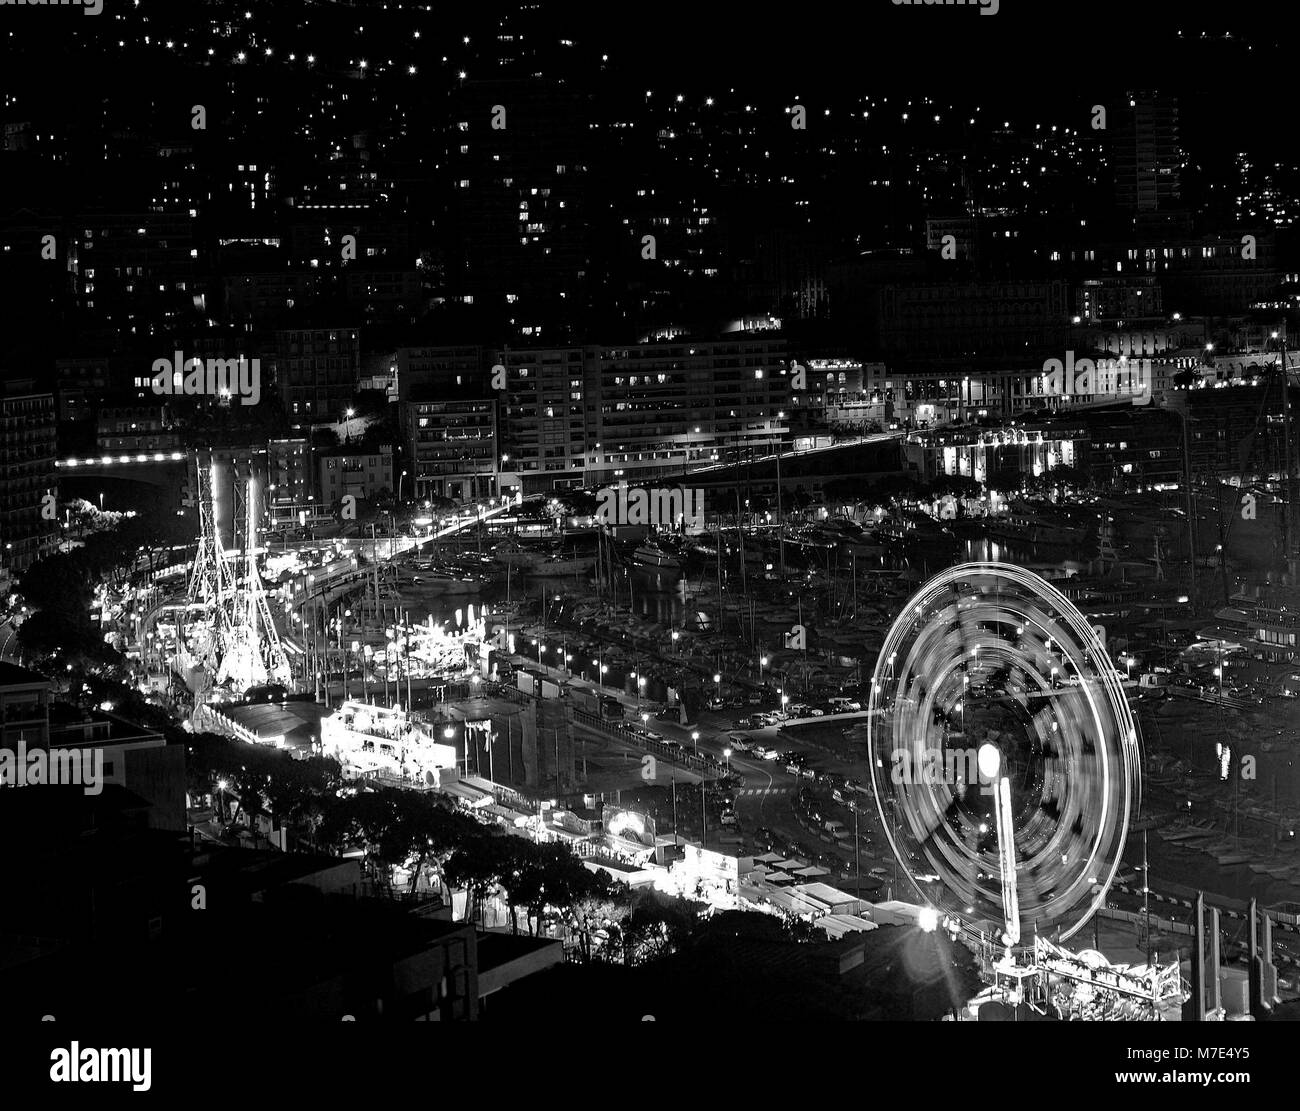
(695, 739)
(726, 755)
(717, 679)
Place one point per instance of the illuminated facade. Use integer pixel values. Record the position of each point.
(381, 740)
(593, 415)
(983, 454)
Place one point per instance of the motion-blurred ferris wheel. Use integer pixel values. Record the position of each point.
(1004, 756)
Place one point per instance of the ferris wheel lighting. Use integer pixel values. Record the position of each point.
(1061, 777)
(989, 760)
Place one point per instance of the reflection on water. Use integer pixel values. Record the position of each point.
(1022, 555)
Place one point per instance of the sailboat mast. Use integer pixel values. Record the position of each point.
(780, 516)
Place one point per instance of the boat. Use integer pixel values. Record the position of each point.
(1274, 871)
(557, 566)
(1025, 527)
(450, 579)
(650, 554)
(514, 554)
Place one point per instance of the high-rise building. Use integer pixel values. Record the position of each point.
(28, 484)
(450, 414)
(659, 409)
(453, 445)
(291, 486)
(317, 371)
(1147, 158)
(582, 416)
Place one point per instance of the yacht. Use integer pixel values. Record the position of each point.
(448, 578)
(649, 554)
(557, 566)
(514, 554)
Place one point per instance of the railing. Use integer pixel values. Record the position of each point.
(513, 694)
(623, 733)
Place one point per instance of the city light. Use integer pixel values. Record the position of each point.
(343, 387)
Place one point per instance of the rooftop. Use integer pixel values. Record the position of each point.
(11, 675)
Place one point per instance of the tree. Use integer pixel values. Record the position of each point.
(59, 583)
(655, 928)
(59, 638)
(521, 878)
(958, 485)
(436, 831)
(476, 866)
(564, 880)
(594, 911)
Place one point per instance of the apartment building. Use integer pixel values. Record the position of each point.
(28, 528)
(585, 416)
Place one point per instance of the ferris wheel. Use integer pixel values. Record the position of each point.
(1004, 757)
